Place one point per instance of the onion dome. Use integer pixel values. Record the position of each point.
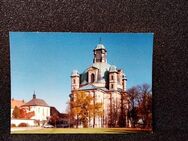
(75, 73)
(113, 68)
(99, 46)
(124, 77)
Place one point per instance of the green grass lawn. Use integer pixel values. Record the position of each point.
(82, 131)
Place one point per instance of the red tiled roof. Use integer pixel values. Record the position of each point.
(36, 102)
(17, 103)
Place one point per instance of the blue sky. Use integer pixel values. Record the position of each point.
(43, 61)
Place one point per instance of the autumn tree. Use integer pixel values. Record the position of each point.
(96, 110)
(22, 113)
(16, 112)
(84, 107)
(29, 115)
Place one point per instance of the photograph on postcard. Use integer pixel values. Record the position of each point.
(95, 83)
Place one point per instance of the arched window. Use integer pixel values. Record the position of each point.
(112, 86)
(74, 81)
(92, 78)
(112, 77)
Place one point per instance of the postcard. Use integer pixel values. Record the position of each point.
(91, 83)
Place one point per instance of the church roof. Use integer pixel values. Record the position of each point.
(92, 87)
(75, 73)
(113, 68)
(17, 103)
(88, 87)
(101, 80)
(36, 102)
(99, 46)
(104, 89)
(103, 68)
(84, 82)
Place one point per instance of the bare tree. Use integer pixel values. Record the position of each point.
(134, 100)
(141, 105)
(145, 105)
(124, 106)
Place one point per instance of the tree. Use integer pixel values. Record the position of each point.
(83, 107)
(29, 115)
(22, 113)
(114, 114)
(122, 117)
(54, 119)
(141, 105)
(16, 112)
(145, 105)
(134, 100)
(70, 115)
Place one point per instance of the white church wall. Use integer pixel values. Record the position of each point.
(41, 113)
(30, 122)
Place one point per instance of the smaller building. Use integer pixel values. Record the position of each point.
(40, 108)
(62, 120)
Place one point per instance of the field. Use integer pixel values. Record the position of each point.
(80, 131)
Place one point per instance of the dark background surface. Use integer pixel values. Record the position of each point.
(166, 19)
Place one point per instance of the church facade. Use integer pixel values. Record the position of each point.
(106, 83)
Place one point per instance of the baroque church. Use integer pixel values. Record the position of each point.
(105, 82)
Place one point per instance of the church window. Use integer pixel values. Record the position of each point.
(112, 77)
(92, 78)
(74, 81)
(112, 86)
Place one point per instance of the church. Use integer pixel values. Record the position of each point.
(105, 83)
(35, 112)
(40, 108)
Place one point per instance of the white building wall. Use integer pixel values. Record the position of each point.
(30, 122)
(41, 113)
(104, 98)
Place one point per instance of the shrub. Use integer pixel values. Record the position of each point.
(23, 125)
(13, 125)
